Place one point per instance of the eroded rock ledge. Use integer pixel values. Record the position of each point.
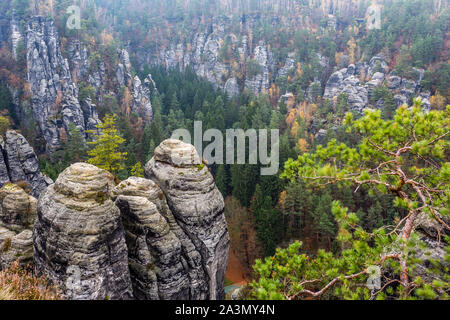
(164, 237)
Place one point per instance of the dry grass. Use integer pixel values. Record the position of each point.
(19, 284)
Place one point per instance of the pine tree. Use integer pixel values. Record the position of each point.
(137, 170)
(157, 132)
(151, 150)
(323, 217)
(404, 172)
(389, 105)
(174, 104)
(4, 125)
(222, 179)
(145, 143)
(105, 153)
(75, 146)
(267, 220)
(374, 217)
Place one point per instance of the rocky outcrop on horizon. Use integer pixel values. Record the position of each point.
(202, 54)
(358, 80)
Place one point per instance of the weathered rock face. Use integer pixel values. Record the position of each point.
(16, 247)
(17, 217)
(405, 89)
(18, 209)
(164, 263)
(196, 204)
(288, 66)
(346, 81)
(162, 239)
(141, 100)
(53, 84)
(232, 87)
(141, 104)
(78, 57)
(202, 54)
(54, 95)
(16, 36)
(431, 233)
(357, 81)
(19, 163)
(123, 70)
(90, 115)
(261, 81)
(79, 232)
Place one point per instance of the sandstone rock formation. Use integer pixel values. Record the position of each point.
(431, 233)
(54, 94)
(347, 81)
(17, 217)
(141, 104)
(16, 247)
(202, 54)
(261, 81)
(164, 264)
(16, 36)
(162, 239)
(197, 205)
(358, 80)
(19, 163)
(79, 240)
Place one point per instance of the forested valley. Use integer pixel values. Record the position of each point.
(363, 116)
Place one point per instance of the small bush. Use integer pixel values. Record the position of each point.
(6, 245)
(4, 125)
(19, 284)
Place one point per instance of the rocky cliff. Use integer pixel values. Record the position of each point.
(358, 80)
(222, 52)
(203, 54)
(54, 94)
(54, 82)
(164, 237)
(19, 163)
(164, 263)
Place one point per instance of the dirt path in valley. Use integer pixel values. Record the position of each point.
(235, 271)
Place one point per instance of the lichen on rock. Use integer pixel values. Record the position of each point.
(17, 217)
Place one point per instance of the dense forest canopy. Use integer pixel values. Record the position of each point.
(361, 158)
